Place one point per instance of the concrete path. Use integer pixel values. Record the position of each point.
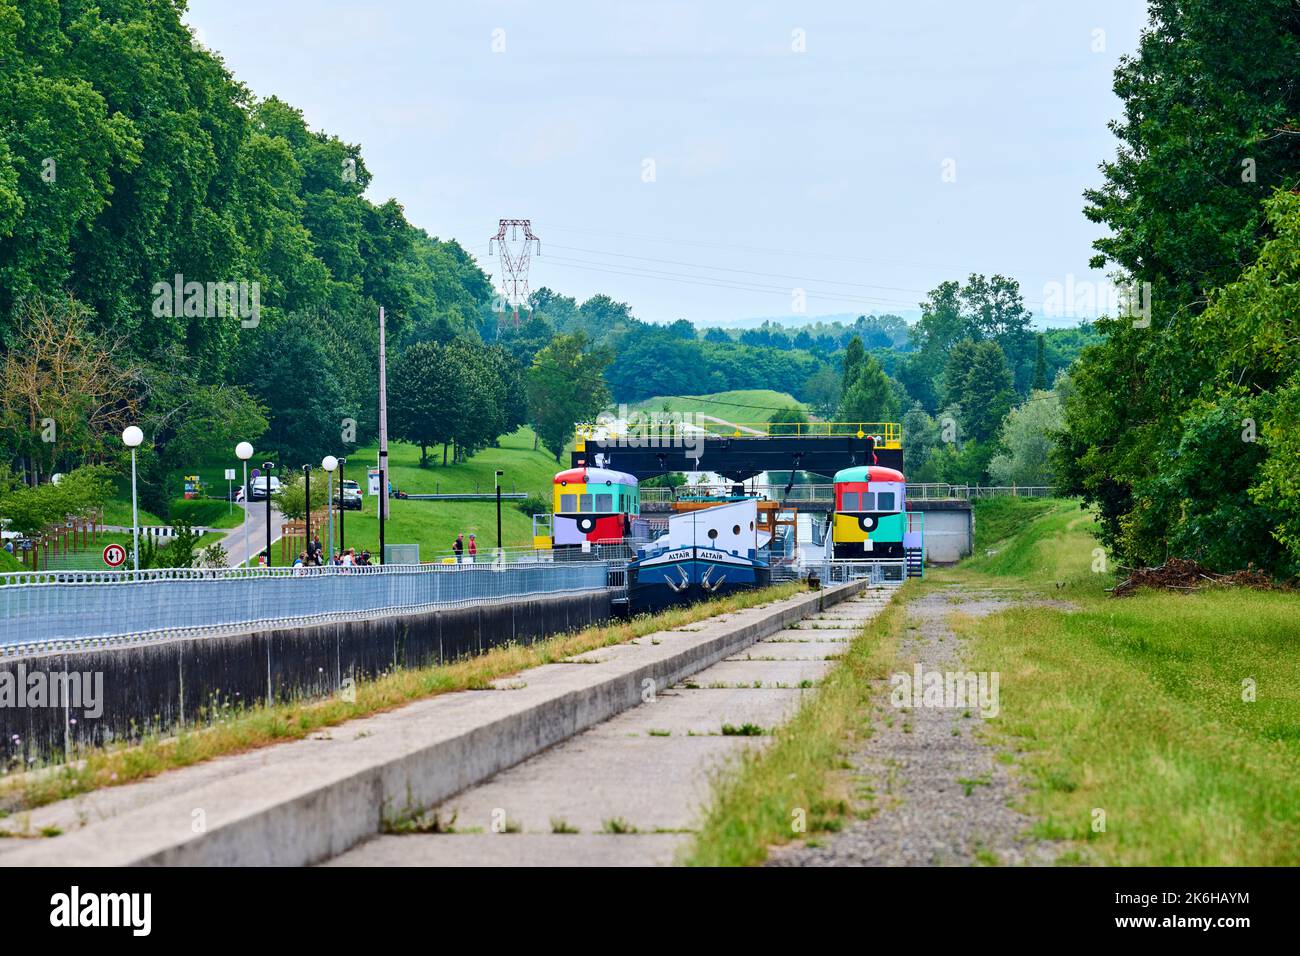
(309, 801)
(930, 791)
(630, 791)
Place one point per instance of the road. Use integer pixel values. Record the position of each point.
(233, 542)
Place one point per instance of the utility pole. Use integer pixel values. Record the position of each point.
(383, 436)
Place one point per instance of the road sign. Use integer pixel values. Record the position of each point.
(115, 555)
(230, 474)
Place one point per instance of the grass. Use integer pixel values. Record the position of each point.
(738, 405)
(796, 782)
(1137, 708)
(236, 731)
(997, 519)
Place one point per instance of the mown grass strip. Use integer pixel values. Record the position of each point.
(757, 801)
(237, 731)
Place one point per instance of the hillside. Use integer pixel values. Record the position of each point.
(738, 405)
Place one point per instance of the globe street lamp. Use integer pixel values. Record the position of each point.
(132, 437)
(244, 451)
(329, 463)
(267, 466)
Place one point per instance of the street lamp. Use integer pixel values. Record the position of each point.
(498, 483)
(306, 474)
(342, 470)
(267, 466)
(244, 451)
(329, 463)
(132, 437)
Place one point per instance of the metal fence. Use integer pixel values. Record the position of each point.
(876, 572)
(48, 608)
(824, 493)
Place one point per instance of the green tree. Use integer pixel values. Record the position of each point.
(1040, 365)
(1028, 435)
(787, 421)
(565, 387)
(989, 392)
(869, 397)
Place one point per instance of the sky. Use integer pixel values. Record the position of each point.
(726, 160)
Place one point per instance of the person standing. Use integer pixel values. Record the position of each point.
(458, 548)
(473, 548)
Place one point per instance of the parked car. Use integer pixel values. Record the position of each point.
(257, 488)
(351, 495)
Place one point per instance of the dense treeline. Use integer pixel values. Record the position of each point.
(1181, 427)
(179, 253)
(216, 250)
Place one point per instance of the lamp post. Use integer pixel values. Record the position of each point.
(342, 470)
(267, 466)
(244, 451)
(132, 437)
(306, 474)
(329, 463)
(498, 481)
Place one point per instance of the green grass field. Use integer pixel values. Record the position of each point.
(1142, 707)
(740, 405)
(1174, 715)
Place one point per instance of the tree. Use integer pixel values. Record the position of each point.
(565, 387)
(787, 421)
(65, 392)
(920, 438)
(989, 392)
(1206, 136)
(822, 390)
(1028, 435)
(869, 398)
(423, 396)
(1040, 365)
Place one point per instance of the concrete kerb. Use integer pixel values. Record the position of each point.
(303, 806)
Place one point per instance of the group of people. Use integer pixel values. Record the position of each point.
(314, 557)
(462, 550)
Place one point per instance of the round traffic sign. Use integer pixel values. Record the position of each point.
(114, 555)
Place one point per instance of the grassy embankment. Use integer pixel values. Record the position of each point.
(1135, 707)
(236, 731)
(738, 405)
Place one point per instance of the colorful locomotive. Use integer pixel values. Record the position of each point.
(593, 504)
(870, 519)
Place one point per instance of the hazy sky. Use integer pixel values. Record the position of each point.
(704, 160)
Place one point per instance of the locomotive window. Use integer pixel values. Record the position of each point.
(849, 501)
(885, 501)
(604, 503)
(568, 503)
(584, 504)
(868, 501)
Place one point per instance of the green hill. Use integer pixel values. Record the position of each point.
(739, 405)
